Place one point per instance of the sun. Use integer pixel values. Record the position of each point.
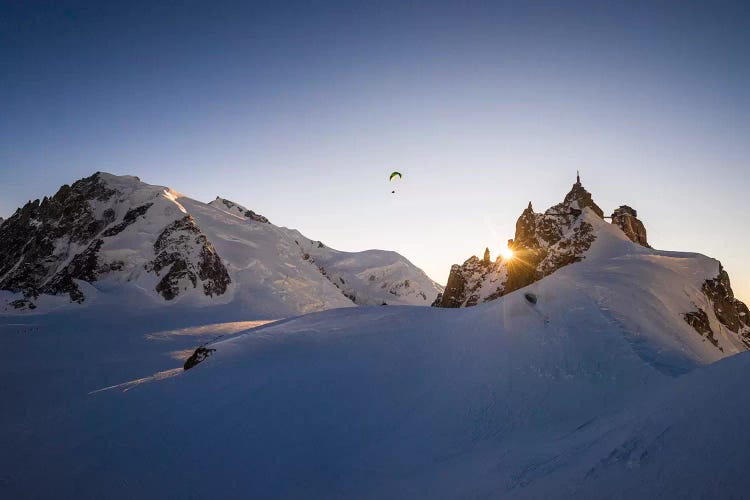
(507, 253)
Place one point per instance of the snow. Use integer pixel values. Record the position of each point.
(599, 390)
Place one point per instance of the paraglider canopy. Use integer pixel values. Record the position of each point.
(394, 175)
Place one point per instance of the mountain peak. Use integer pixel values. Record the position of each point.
(579, 198)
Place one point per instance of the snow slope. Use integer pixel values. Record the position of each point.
(597, 390)
(282, 263)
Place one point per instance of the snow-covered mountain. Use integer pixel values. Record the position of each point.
(595, 371)
(575, 230)
(113, 238)
(596, 390)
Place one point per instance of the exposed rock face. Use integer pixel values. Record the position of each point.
(626, 218)
(35, 240)
(543, 243)
(237, 209)
(700, 322)
(49, 245)
(129, 219)
(729, 311)
(455, 293)
(188, 257)
(471, 282)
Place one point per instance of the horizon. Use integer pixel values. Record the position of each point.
(301, 112)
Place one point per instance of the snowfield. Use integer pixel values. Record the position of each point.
(599, 390)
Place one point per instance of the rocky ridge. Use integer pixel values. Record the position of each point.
(560, 236)
(49, 246)
(237, 209)
(543, 243)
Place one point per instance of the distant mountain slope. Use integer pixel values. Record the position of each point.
(109, 238)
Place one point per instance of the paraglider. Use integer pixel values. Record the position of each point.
(394, 175)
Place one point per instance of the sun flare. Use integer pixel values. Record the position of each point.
(507, 253)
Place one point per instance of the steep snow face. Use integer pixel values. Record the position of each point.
(580, 392)
(116, 240)
(372, 277)
(276, 264)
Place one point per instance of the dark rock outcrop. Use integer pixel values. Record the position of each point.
(30, 239)
(729, 311)
(198, 356)
(129, 219)
(699, 321)
(50, 246)
(626, 218)
(175, 250)
(22, 304)
(240, 210)
(454, 294)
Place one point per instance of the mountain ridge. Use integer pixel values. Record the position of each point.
(566, 234)
(118, 232)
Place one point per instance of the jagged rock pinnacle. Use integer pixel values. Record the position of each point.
(626, 218)
(579, 198)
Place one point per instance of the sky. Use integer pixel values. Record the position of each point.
(300, 111)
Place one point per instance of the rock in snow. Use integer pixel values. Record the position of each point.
(237, 209)
(121, 239)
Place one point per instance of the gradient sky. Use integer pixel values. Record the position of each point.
(301, 110)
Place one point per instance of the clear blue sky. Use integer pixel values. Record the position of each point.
(301, 110)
